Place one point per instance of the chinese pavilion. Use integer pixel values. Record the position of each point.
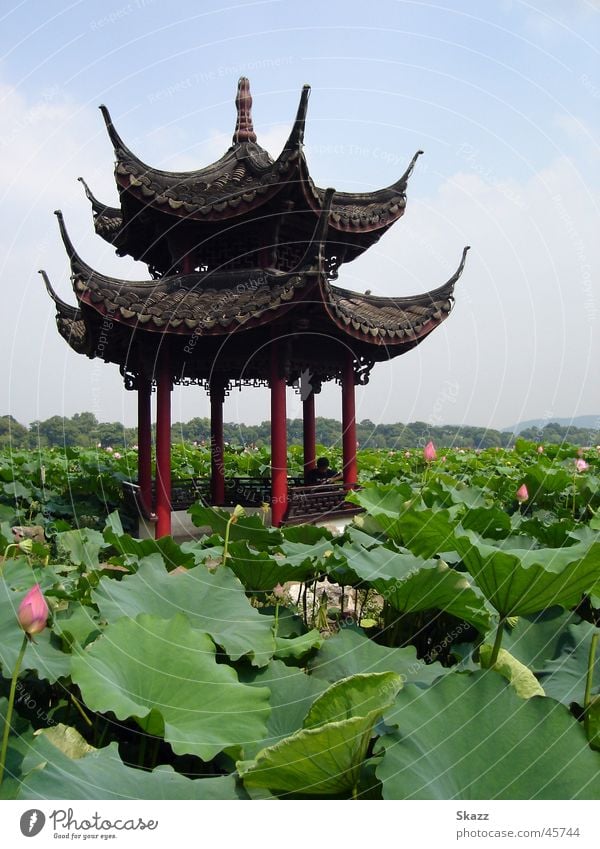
(241, 256)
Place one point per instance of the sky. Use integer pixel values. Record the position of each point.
(503, 97)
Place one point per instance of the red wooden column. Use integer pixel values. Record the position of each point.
(279, 493)
(217, 446)
(309, 432)
(349, 423)
(144, 437)
(164, 385)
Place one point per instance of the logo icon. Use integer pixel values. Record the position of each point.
(32, 822)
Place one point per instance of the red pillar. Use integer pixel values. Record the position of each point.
(309, 432)
(164, 385)
(217, 446)
(144, 436)
(349, 423)
(279, 494)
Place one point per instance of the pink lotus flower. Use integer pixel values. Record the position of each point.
(429, 452)
(407, 454)
(33, 612)
(581, 465)
(109, 449)
(116, 455)
(522, 494)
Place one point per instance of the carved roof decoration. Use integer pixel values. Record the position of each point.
(225, 302)
(243, 180)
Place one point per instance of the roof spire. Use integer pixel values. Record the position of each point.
(244, 130)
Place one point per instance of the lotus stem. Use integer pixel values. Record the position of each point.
(497, 642)
(77, 704)
(11, 702)
(589, 679)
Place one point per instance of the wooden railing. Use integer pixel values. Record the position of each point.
(305, 503)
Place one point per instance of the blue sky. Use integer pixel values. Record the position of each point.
(503, 97)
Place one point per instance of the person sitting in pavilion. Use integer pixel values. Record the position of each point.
(322, 474)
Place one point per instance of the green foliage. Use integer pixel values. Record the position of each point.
(164, 663)
(470, 736)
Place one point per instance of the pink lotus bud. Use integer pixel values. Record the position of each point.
(33, 612)
(581, 465)
(407, 454)
(522, 494)
(278, 591)
(540, 449)
(444, 459)
(109, 449)
(116, 455)
(429, 452)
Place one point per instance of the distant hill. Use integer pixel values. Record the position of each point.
(587, 422)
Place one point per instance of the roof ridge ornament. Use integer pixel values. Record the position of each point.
(402, 182)
(117, 142)
(66, 310)
(244, 128)
(296, 137)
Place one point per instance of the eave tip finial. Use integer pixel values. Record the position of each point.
(244, 129)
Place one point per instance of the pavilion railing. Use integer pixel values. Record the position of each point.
(305, 503)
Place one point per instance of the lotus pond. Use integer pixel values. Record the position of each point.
(442, 647)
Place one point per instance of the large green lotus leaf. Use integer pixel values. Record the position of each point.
(469, 736)
(537, 638)
(80, 624)
(132, 550)
(82, 546)
(43, 655)
(249, 528)
(410, 584)
(384, 504)
(295, 648)
(292, 694)
(103, 775)
(261, 571)
(325, 757)
(521, 582)
(350, 652)
(519, 676)
(20, 740)
(357, 695)
(149, 666)
(306, 534)
(323, 761)
(490, 522)
(564, 676)
(592, 723)
(214, 602)
(427, 532)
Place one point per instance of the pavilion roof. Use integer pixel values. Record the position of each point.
(245, 179)
(221, 303)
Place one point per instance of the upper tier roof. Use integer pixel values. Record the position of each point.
(244, 180)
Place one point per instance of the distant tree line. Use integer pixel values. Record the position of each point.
(84, 430)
